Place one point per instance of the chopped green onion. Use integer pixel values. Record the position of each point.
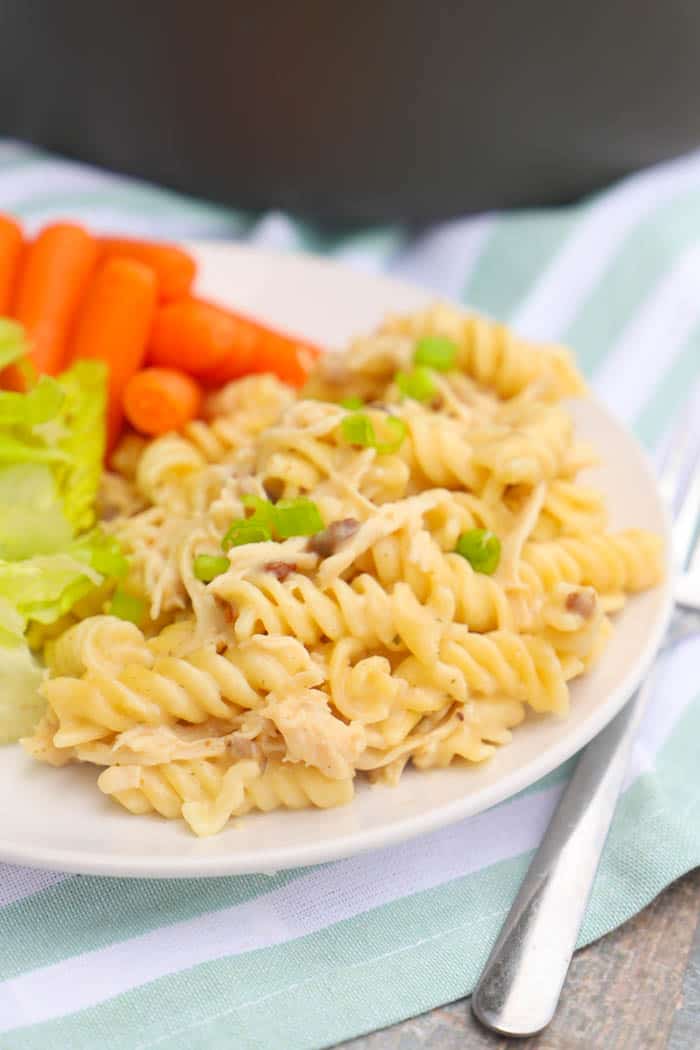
(394, 444)
(357, 429)
(127, 607)
(208, 566)
(296, 517)
(110, 561)
(417, 384)
(263, 509)
(481, 548)
(435, 351)
(245, 530)
(352, 402)
(291, 517)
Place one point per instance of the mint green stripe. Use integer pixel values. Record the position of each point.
(11, 154)
(332, 967)
(131, 199)
(17, 161)
(513, 257)
(85, 913)
(407, 957)
(381, 243)
(676, 386)
(557, 776)
(642, 261)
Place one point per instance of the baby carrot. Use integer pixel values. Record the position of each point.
(288, 358)
(174, 268)
(113, 326)
(11, 241)
(197, 337)
(218, 345)
(160, 399)
(52, 280)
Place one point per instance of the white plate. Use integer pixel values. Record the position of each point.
(58, 819)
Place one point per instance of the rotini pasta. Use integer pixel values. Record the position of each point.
(338, 589)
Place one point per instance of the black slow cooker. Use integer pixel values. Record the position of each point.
(362, 111)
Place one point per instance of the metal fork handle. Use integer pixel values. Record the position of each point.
(521, 983)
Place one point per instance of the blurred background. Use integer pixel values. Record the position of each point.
(354, 113)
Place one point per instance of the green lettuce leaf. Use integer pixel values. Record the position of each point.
(83, 416)
(32, 520)
(51, 448)
(46, 586)
(13, 344)
(60, 422)
(21, 705)
(12, 624)
(38, 405)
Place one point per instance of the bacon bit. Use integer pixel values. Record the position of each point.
(221, 647)
(460, 715)
(280, 569)
(274, 487)
(338, 532)
(437, 403)
(582, 603)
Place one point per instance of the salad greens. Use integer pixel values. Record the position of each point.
(12, 342)
(51, 554)
(21, 704)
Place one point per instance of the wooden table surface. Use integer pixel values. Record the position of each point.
(636, 989)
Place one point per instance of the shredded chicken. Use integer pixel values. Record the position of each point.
(507, 572)
(315, 736)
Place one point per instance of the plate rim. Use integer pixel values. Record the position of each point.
(311, 853)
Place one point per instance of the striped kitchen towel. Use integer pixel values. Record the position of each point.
(310, 957)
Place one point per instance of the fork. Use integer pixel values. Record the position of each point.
(520, 985)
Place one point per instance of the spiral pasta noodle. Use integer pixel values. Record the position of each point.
(388, 569)
(207, 794)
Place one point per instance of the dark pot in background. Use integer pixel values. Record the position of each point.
(356, 111)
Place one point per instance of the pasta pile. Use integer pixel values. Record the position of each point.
(458, 574)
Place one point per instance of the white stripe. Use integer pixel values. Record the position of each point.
(360, 259)
(580, 264)
(652, 338)
(444, 257)
(275, 231)
(314, 901)
(367, 255)
(18, 883)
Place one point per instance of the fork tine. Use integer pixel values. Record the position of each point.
(686, 522)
